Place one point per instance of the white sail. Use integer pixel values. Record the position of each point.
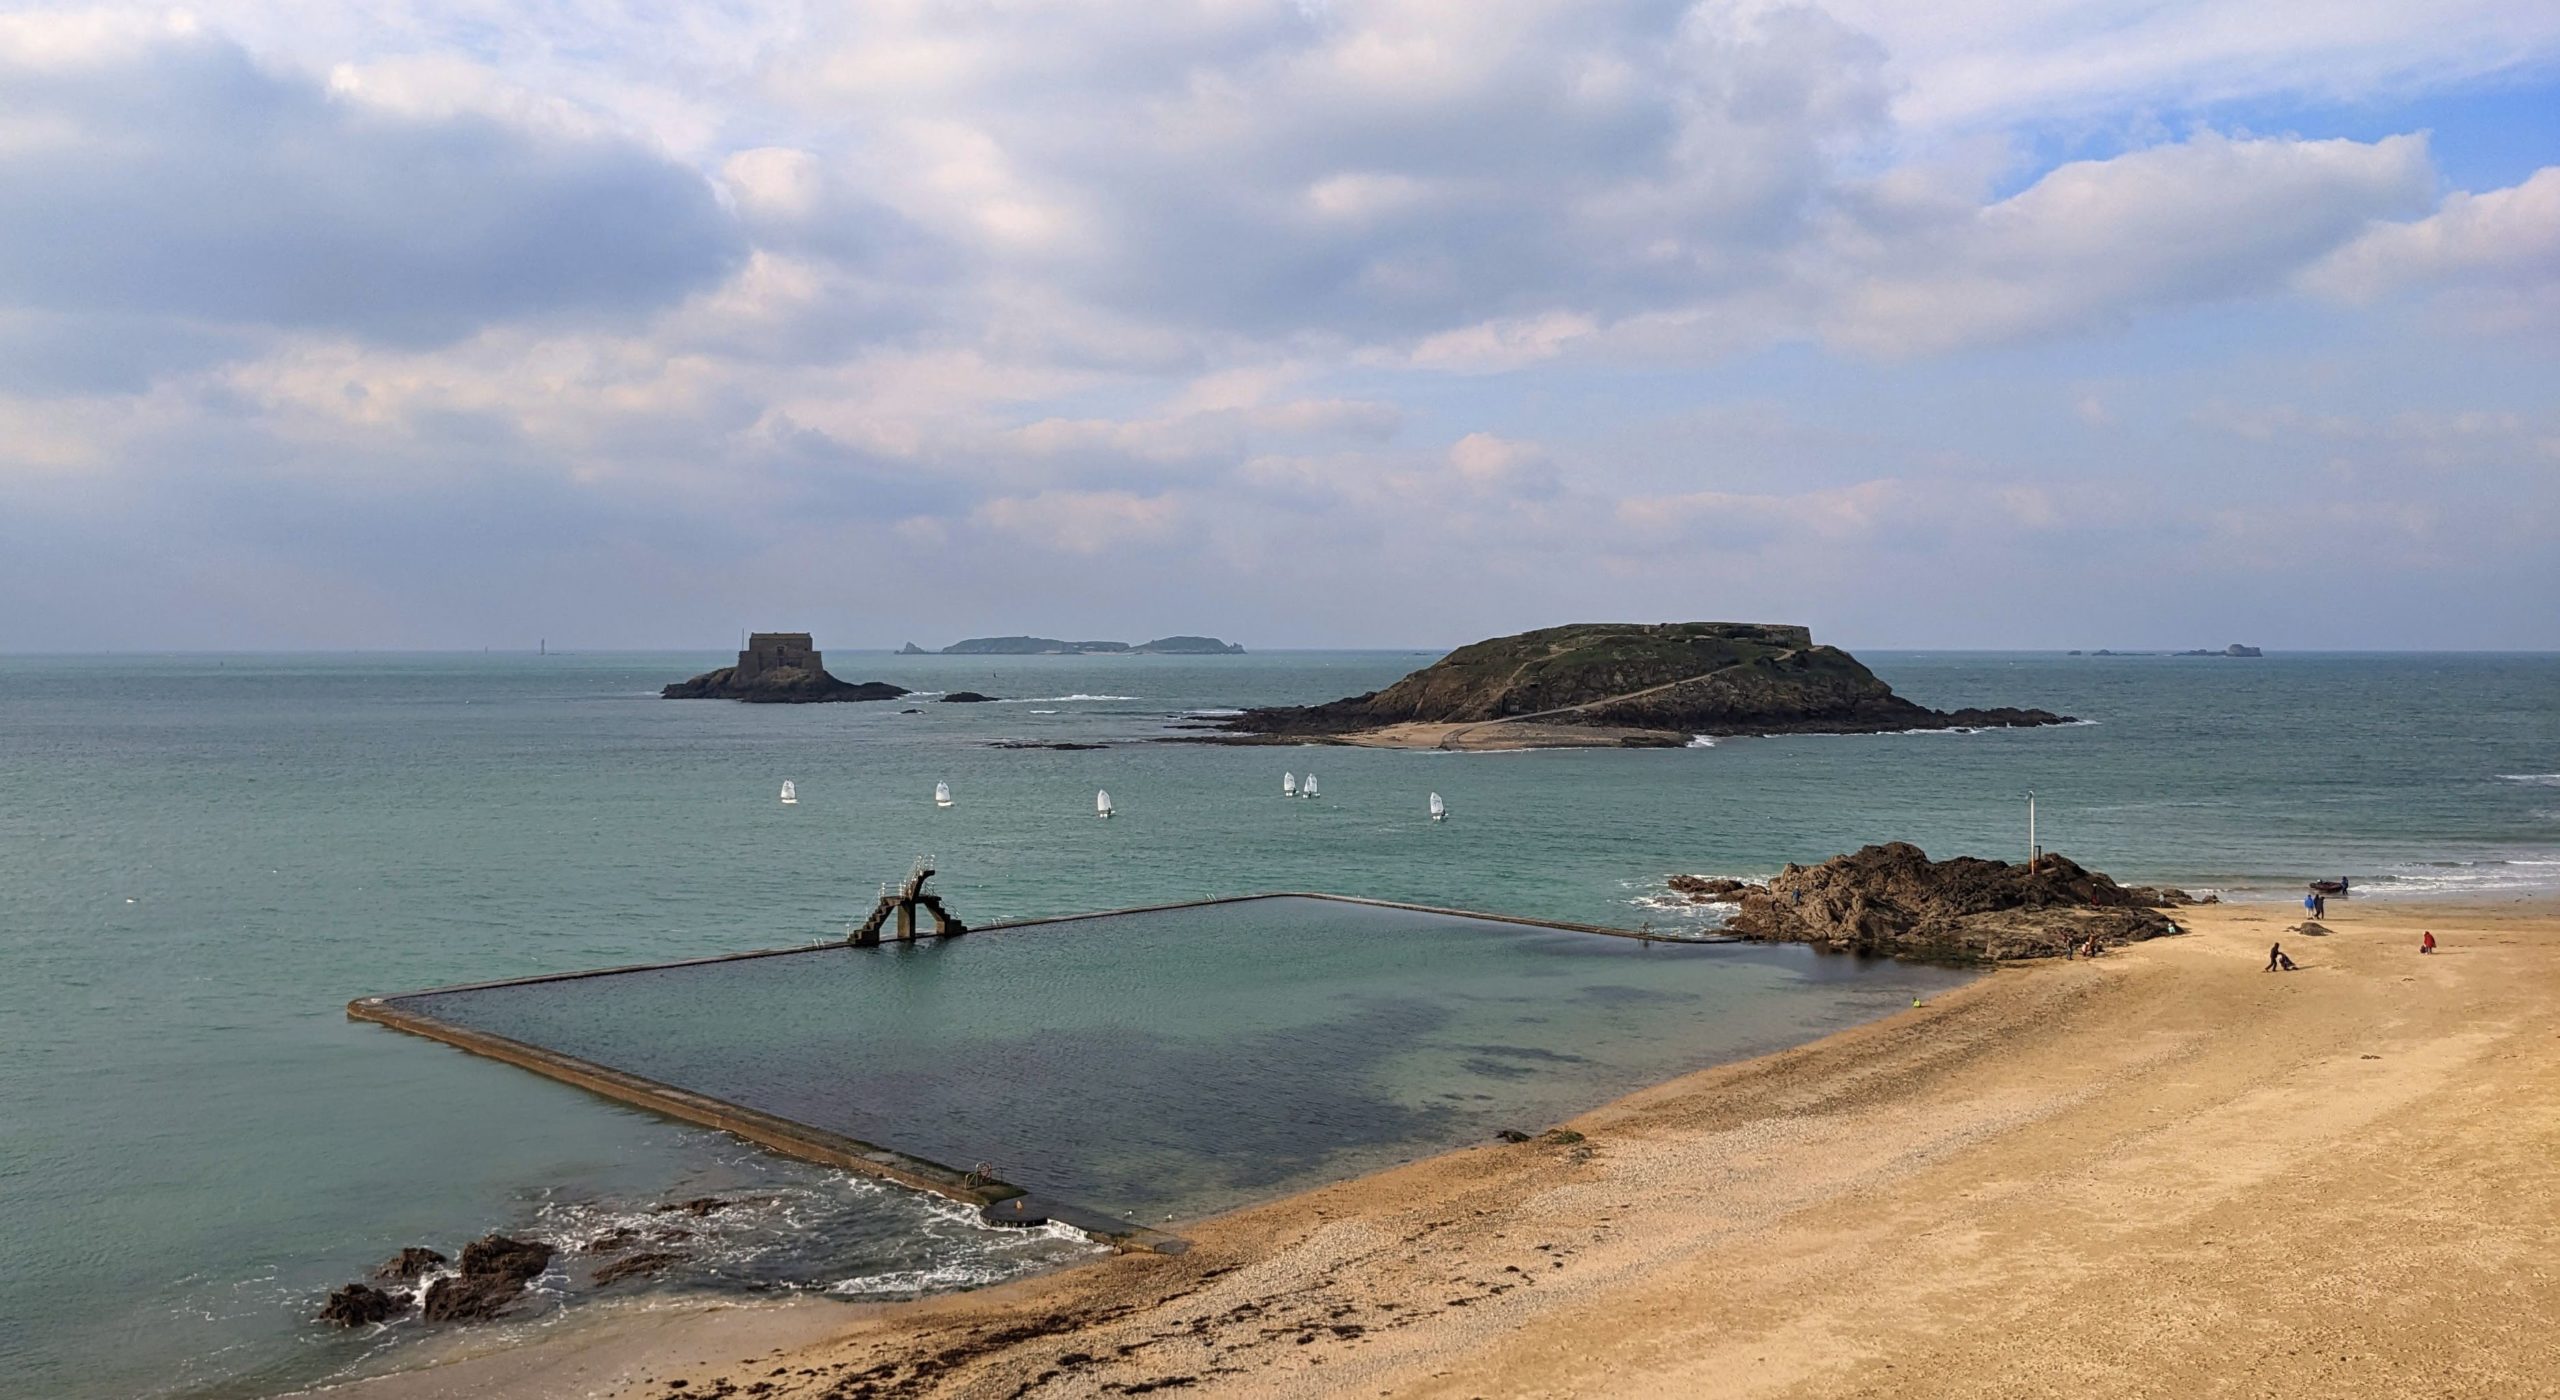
(1101, 803)
(1288, 785)
(790, 794)
(1439, 809)
(1308, 788)
(942, 794)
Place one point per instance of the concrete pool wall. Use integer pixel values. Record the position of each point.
(999, 1201)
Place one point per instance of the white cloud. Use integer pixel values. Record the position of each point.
(2496, 255)
(2096, 242)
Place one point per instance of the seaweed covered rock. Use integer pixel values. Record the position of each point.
(410, 1263)
(359, 1305)
(495, 1270)
(1892, 899)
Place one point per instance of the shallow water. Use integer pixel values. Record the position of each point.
(203, 858)
(1167, 1064)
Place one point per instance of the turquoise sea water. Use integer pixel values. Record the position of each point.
(202, 858)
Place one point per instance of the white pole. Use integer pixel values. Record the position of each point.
(2032, 849)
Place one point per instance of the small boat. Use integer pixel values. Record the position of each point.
(2336, 886)
(1308, 788)
(942, 794)
(1439, 809)
(1288, 785)
(1101, 803)
(790, 794)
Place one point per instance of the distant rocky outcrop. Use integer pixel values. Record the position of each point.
(1052, 646)
(1639, 683)
(1892, 899)
(778, 668)
(911, 649)
(966, 697)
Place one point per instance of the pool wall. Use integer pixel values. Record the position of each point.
(998, 1201)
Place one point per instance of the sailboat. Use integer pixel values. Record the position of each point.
(1439, 809)
(1102, 803)
(790, 794)
(942, 794)
(1288, 785)
(1308, 788)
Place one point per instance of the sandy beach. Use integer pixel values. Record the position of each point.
(2165, 1172)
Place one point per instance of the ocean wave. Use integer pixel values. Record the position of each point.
(1214, 713)
(2537, 779)
(1700, 741)
(2461, 877)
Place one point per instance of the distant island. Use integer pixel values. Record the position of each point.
(1051, 646)
(2235, 649)
(1621, 684)
(778, 668)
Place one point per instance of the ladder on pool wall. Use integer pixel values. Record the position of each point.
(904, 902)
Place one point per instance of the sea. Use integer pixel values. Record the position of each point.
(204, 857)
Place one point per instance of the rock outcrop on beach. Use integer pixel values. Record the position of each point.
(1893, 900)
(411, 1263)
(778, 668)
(361, 1305)
(495, 1270)
(1630, 683)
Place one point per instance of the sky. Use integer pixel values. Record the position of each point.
(428, 324)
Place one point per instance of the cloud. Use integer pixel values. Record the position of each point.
(171, 176)
(2095, 242)
(2496, 255)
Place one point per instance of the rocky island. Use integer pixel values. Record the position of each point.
(1621, 684)
(1052, 646)
(778, 668)
(1893, 900)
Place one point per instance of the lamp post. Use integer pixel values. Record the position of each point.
(2035, 853)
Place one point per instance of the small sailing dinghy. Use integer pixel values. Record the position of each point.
(1288, 785)
(1308, 788)
(1439, 809)
(1102, 803)
(942, 794)
(790, 794)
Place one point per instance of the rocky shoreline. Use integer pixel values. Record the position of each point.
(1892, 900)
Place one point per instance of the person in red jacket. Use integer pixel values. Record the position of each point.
(2426, 942)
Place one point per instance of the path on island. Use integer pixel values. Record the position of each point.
(2161, 1173)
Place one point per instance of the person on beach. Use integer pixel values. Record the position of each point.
(2276, 959)
(2426, 942)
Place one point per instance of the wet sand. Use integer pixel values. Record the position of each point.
(2165, 1172)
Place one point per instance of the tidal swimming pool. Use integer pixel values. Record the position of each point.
(1164, 1064)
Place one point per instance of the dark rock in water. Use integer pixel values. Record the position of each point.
(470, 1299)
(1892, 899)
(1657, 682)
(1030, 744)
(778, 668)
(911, 649)
(409, 1263)
(619, 1237)
(1512, 1135)
(1706, 891)
(360, 1305)
(697, 1207)
(911, 711)
(966, 697)
(496, 1256)
(637, 1266)
(495, 1270)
